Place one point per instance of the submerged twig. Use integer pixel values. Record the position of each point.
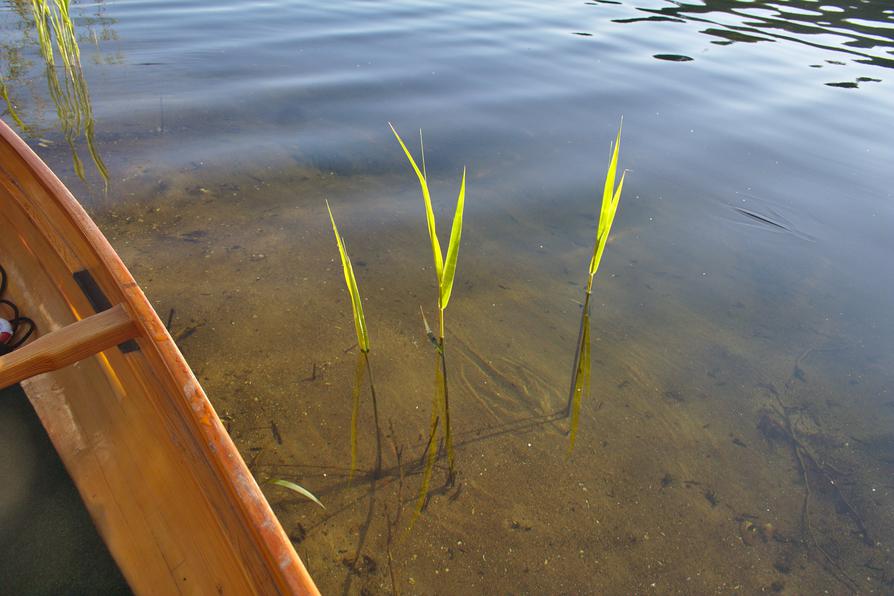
(807, 461)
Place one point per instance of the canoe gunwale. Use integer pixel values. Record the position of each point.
(194, 410)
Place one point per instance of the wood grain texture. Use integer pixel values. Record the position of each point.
(68, 345)
(162, 480)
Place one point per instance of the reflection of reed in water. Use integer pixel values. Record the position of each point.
(580, 375)
(70, 95)
(10, 107)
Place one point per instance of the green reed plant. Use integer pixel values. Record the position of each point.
(363, 363)
(580, 378)
(445, 271)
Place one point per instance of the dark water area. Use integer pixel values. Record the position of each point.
(739, 436)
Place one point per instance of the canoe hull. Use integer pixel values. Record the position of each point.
(163, 482)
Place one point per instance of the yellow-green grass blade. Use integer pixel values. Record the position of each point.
(422, 152)
(353, 289)
(602, 239)
(617, 197)
(453, 247)
(359, 319)
(296, 488)
(429, 211)
(609, 187)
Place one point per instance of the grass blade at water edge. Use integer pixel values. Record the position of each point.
(580, 375)
(429, 211)
(353, 289)
(296, 488)
(607, 210)
(446, 284)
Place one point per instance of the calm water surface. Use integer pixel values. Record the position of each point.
(739, 436)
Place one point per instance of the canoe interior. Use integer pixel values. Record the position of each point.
(162, 481)
(48, 543)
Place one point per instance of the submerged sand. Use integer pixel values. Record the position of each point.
(683, 478)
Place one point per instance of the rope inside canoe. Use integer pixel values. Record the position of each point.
(17, 322)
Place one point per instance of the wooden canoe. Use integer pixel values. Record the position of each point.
(162, 481)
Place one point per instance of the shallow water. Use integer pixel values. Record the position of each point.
(741, 321)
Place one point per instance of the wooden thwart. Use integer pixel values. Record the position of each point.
(67, 345)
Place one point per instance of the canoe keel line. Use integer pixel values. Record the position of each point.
(162, 480)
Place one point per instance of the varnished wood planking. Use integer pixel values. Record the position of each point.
(243, 542)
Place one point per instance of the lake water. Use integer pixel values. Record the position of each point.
(739, 432)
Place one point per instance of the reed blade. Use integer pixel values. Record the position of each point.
(609, 186)
(603, 239)
(353, 289)
(580, 382)
(296, 488)
(609, 207)
(429, 211)
(446, 285)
